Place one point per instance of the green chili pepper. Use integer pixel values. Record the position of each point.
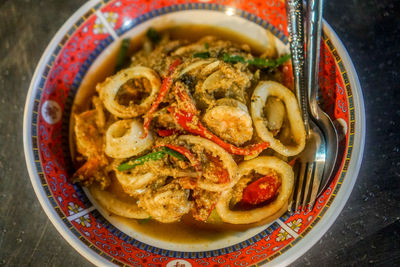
(174, 153)
(141, 160)
(122, 54)
(157, 155)
(202, 54)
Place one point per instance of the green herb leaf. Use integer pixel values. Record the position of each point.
(153, 35)
(258, 62)
(122, 55)
(202, 54)
(144, 221)
(233, 58)
(174, 154)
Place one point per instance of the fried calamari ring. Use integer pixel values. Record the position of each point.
(109, 88)
(262, 165)
(258, 100)
(123, 139)
(207, 182)
(134, 184)
(123, 207)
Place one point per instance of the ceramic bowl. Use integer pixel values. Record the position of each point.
(84, 42)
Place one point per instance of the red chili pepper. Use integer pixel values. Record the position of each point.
(292, 162)
(186, 152)
(263, 189)
(166, 132)
(192, 124)
(287, 71)
(165, 86)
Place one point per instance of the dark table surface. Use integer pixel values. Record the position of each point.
(367, 232)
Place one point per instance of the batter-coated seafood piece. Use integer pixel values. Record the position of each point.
(166, 204)
(220, 169)
(230, 120)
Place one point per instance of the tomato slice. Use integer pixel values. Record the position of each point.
(261, 190)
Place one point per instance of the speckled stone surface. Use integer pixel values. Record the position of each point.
(367, 232)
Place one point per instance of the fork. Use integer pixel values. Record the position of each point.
(314, 19)
(309, 167)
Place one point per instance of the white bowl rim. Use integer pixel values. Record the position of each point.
(296, 251)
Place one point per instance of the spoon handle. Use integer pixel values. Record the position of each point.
(295, 20)
(314, 11)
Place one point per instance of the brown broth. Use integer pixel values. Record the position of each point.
(187, 231)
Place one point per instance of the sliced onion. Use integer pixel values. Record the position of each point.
(194, 66)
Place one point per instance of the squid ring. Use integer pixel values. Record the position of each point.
(262, 165)
(134, 184)
(228, 163)
(258, 100)
(118, 206)
(123, 139)
(109, 88)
